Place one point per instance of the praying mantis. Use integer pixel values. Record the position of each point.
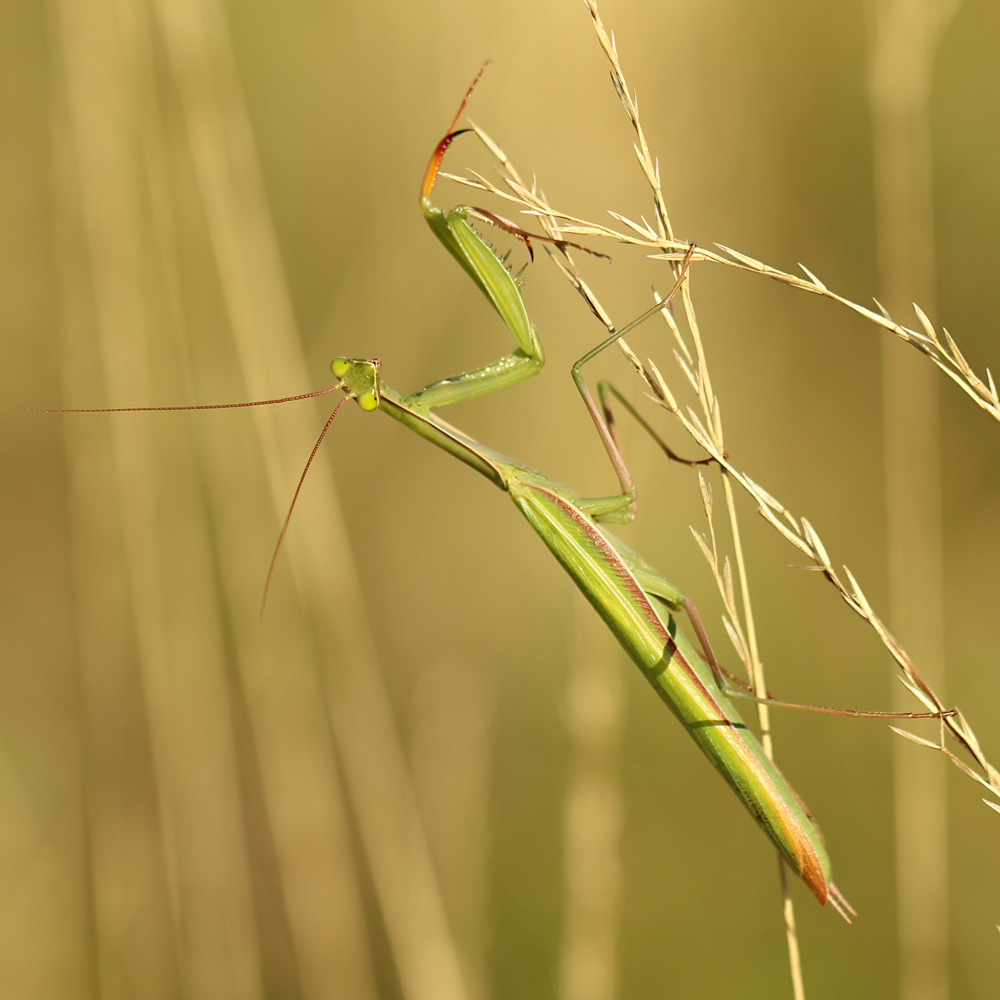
(635, 600)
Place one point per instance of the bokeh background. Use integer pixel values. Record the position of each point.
(426, 773)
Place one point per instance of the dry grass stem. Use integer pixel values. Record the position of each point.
(703, 420)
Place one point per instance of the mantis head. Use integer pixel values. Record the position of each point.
(359, 380)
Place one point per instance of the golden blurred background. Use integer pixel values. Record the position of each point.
(427, 773)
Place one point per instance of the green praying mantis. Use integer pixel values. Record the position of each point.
(634, 599)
